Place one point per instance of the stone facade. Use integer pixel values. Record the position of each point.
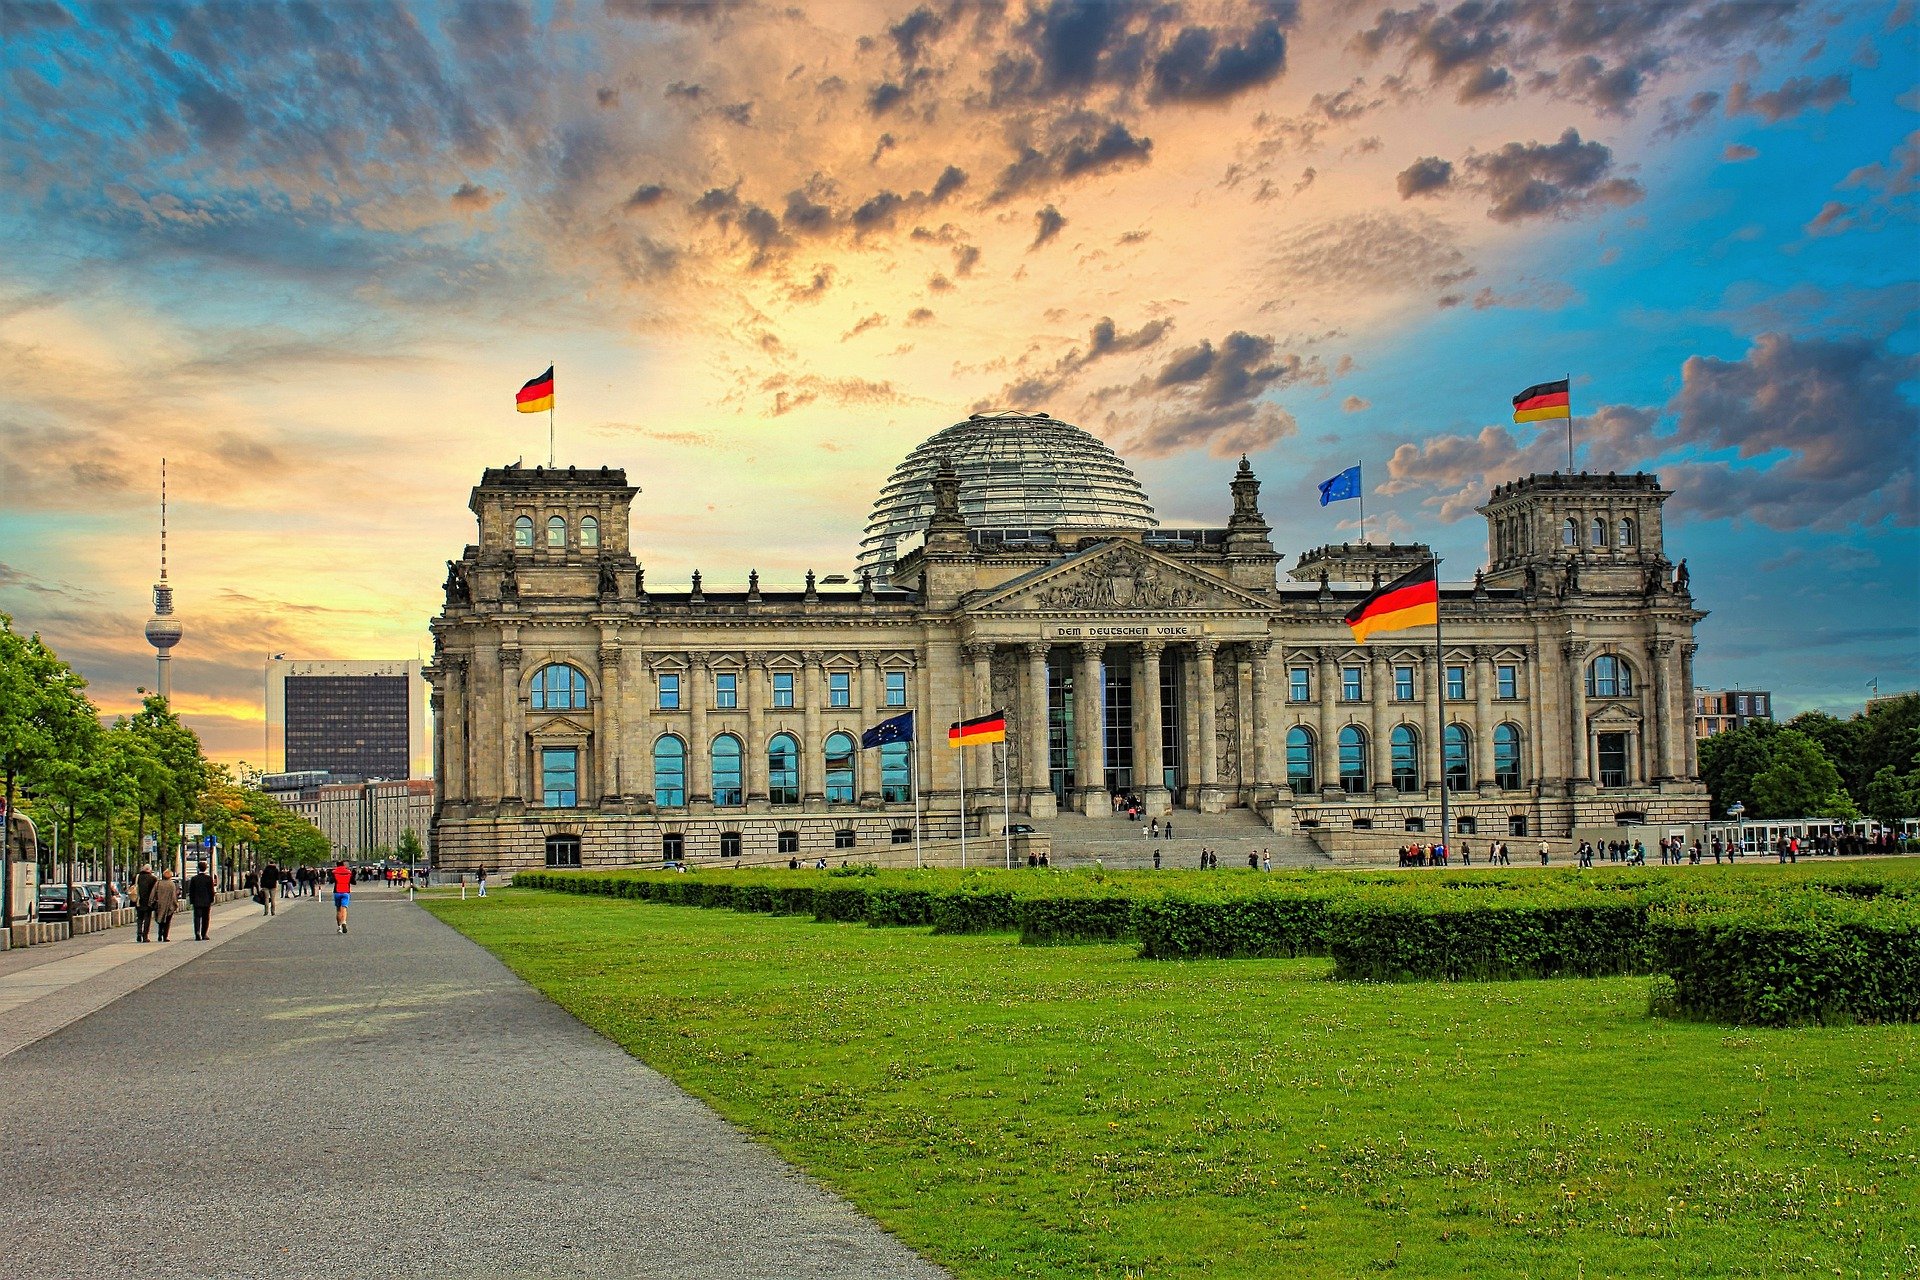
(580, 713)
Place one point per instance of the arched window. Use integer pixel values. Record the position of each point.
(670, 772)
(556, 531)
(840, 768)
(1609, 677)
(783, 769)
(1404, 747)
(726, 770)
(1506, 757)
(1599, 538)
(589, 531)
(1300, 761)
(1456, 747)
(1353, 759)
(896, 778)
(1570, 533)
(523, 531)
(1627, 533)
(558, 687)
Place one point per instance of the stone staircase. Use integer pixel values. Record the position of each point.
(1116, 843)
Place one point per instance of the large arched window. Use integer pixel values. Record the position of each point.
(670, 772)
(1599, 531)
(589, 531)
(556, 531)
(523, 531)
(1609, 677)
(1457, 757)
(1506, 757)
(1353, 759)
(1570, 533)
(840, 768)
(726, 770)
(1404, 747)
(783, 769)
(558, 687)
(1628, 535)
(896, 774)
(1300, 761)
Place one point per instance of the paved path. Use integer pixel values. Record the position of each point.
(293, 1103)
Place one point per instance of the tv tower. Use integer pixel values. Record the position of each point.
(163, 629)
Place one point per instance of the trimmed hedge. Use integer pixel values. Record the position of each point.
(1179, 927)
(1392, 937)
(1048, 920)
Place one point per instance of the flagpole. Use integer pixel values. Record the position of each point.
(913, 754)
(963, 805)
(1569, 424)
(1440, 695)
(550, 399)
(1362, 495)
(1006, 807)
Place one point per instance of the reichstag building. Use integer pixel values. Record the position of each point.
(1012, 561)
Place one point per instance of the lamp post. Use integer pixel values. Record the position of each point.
(1735, 811)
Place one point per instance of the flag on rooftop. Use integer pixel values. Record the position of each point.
(1547, 400)
(537, 395)
(1343, 486)
(1410, 600)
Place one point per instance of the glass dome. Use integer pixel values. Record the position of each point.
(1018, 471)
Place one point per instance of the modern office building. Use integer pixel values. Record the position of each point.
(353, 721)
(586, 714)
(361, 820)
(1717, 710)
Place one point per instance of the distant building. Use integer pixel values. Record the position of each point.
(357, 818)
(1718, 710)
(1883, 699)
(353, 721)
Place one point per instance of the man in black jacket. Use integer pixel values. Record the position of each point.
(143, 903)
(269, 882)
(200, 896)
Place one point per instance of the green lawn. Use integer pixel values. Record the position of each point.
(1075, 1111)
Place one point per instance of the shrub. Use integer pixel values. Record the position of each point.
(1180, 927)
(889, 907)
(1387, 936)
(840, 902)
(1049, 919)
(975, 911)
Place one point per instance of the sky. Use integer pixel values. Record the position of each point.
(307, 253)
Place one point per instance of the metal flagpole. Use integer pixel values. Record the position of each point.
(1440, 693)
(963, 805)
(1569, 424)
(550, 399)
(913, 754)
(1006, 807)
(1362, 495)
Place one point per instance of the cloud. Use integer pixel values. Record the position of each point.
(1078, 148)
(860, 326)
(646, 196)
(470, 197)
(1212, 396)
(1047, 224)
(1199, 66)
(1381, 250)
(1748, 439)
(1424, 176)
(1354, 404)
(1736, 152)
(1562, 179)
(1797, 95)
(1677, 118)
(1834, 217)
(1106, 339)
(1069, 49)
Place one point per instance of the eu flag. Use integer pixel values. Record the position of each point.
(1344, 485)
(898, 729)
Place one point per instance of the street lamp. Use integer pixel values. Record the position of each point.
(1735, 811)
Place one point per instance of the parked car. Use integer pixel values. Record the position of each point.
(1019, 829)
(95, 892)
(52, 903)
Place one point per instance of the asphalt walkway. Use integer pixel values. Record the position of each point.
(288, 1102)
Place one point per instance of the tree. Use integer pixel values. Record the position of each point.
(1798, 779)
(180, 771)
(1840, 740)
(1891, 797)
(1730, 761)
(408, 850)
(38, 695)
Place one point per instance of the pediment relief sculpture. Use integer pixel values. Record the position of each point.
(1124, 580)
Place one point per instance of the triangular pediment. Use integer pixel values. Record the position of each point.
(1116, 577)
(558, 726)
(1614, 715)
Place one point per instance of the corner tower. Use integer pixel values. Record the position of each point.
(1599, 533)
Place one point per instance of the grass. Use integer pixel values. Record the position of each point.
(1022, 1111)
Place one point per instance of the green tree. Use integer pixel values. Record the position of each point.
(1798, 779)
(172, 787)
(408, 849)
(1730, 761)
(1841, 740)
(39, 697)
(1890, 797)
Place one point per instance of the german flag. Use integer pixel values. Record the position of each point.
(536, 396)
(1548, 400)
(991, 727)
(1411, 600)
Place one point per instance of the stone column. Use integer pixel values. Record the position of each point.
(1687, 738)
(606, 727)
(514, 715)
(1659, 655)
(453, 727)
(978, 698)
(1205, 749)
(1328, 671)
(1040, 798)
(699, 745)
(1149, 746)
(812, 762)
(1579, 750)
(1433, 724)
(1090, 708)
(1380, 722)
(1482, 772)
(1259, 655)
(756, 748)
(866, 764)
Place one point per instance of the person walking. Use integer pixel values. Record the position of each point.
(1266, 860)
(1166, 829)
(1543, 853)
(200, 897)
(166, 901)
(269, 882)
(342, 890)
(143, 902)
(483, 882)
(1156, 859)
